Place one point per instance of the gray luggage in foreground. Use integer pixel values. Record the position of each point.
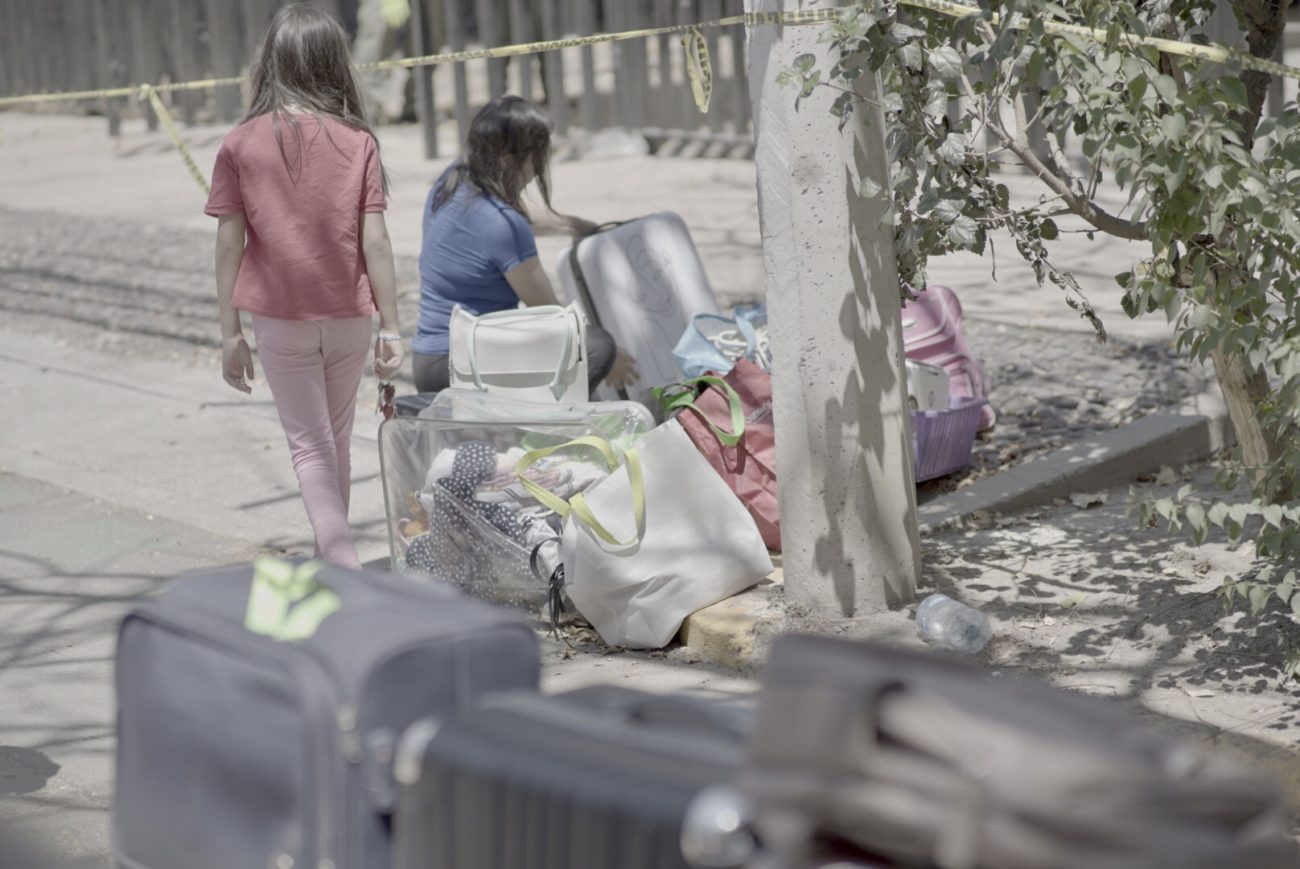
(598, 778)
(239, 751)
(927, 760)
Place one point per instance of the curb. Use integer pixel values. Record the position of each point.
(1106, 460)
(732, 633)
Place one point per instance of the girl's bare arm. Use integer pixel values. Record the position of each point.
(229, 254)
(378, 250)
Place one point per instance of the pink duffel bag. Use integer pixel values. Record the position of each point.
(729, 419)
(932, 333)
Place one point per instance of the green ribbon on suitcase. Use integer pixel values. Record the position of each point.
(285, 602)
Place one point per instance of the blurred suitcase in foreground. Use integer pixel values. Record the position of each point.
(257, 718)
(643, 281)
(598, 778)
(926, 761)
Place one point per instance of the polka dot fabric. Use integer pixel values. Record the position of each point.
(457, 549)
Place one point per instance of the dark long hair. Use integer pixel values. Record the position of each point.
(304, 62)
(508, 134)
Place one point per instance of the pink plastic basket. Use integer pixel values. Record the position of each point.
(942, 439)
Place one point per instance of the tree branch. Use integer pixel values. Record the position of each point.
(1085, 208)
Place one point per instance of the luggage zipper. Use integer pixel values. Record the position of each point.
(204, 628)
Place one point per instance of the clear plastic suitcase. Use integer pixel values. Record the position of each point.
(457, 513)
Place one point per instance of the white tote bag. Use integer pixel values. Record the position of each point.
(659, 538)
(535, 354)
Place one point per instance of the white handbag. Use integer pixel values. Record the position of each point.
(659, 538)
(536, 354)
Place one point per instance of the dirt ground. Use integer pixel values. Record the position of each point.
(1082, 597)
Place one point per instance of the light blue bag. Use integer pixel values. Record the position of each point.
(713, 343)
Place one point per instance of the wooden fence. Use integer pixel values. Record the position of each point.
(50, 45)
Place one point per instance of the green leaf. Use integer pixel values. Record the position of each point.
(1273, 515)
(1235, 90)
(946, 210)
(936, 104)
(1167, 88)
(1258, 599)
(909, 55)
(963, 231)
(1048, 230)
(1174, 126)
(953, 149)
(1286, 588)
(869, 188)
(945, 62)
(1137, 89)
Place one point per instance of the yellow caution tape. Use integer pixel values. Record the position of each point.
(1211, 52)
(151, 94)
(698, 68)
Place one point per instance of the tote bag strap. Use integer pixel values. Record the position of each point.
(686, 398)
(557, 387)
(636, 481)
(577, 505)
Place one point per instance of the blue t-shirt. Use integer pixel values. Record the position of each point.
(469, 245)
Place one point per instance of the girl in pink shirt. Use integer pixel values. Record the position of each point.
(299, 194)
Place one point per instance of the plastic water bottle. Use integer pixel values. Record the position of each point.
(953, 625)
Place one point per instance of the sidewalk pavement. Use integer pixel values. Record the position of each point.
(115, 475)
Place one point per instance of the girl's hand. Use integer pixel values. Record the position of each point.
(624, 371)
(237, 363)
(389, 354)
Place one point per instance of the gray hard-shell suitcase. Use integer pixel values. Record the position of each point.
(238, 750)
(927, 761)
(598, 778)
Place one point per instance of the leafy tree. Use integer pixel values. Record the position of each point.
(1213, 189)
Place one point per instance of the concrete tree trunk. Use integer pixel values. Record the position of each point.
(844, 441)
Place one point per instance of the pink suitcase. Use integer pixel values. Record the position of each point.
(932, 333)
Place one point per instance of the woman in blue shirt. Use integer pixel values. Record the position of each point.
(479, 250)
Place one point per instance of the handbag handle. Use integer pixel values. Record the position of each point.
(686, 398)
(577, 505)
(743, 326)
(556, 387)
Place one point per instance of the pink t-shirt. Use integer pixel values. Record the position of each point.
(303, 258)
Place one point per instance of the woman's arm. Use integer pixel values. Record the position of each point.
(378, 251)
(530, 283)
(236, 358)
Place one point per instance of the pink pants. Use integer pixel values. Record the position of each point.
(314, 368)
